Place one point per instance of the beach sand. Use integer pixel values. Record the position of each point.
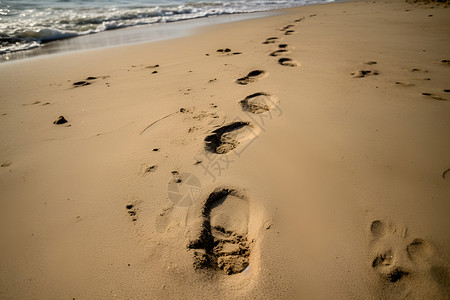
(307, 158)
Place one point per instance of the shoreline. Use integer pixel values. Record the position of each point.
(77, 20)
(310, 147)
(129, 36)
(137, 34)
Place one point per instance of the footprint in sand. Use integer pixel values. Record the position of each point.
(132, 210)
(146, 169)
(279, 52)
(252, 77)
(88, 81)
(183, 189)
(299, 20)
(287, 62)
(228, 137)
(405, 84)
(227, 51)
(385, 261)
(152, 67)
(258, 103)
(34, 103)
(433, 96)
(289, 32)
(405, 264)
(287, 27)
(223, 242)
(445, 61)
(418, 70)
(445, 174)
(272, 40)
(364, 73)
(8, 163)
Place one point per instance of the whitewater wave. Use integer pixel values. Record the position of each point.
(26, 28)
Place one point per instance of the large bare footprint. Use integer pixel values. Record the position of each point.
(258, 103)
(251, 77)
(223, 243)
(288, 62)
(228, 137)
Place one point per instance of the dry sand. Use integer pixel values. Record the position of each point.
(310, 165)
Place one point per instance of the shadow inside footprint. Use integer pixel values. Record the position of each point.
(364, 73)
(415, 70)
(433, 96)
(405, 84)
(396, 275)
(81, 83)
(258, 103)
(418, 248)
(227, 51)
(377, 228)
(289, 32)
(287, 62)
(84, 82)
(286, 27)
(271, 40)
(223, 139)
(251, 77)
(446, 174)
(223, 244)
(279, 52)
(386, 263)
(6, 164)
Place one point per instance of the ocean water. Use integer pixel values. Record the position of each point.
(27, 24)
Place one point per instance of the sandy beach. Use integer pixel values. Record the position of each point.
(303, 155)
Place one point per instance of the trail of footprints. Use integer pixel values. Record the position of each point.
(283, 49)
(222, 242)
(258, 103)
(251, 77)
(223, 139)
